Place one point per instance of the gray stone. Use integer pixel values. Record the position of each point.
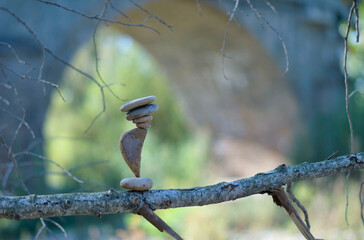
(137, 103)
(141, 111)
(143, 125)
(143, 119)
(137, 184)
(131, 144)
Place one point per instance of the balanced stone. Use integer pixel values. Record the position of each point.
(143, 119)
(143, 125)
(141, 111)
(131, 144)
(137, 103)
(137, 184)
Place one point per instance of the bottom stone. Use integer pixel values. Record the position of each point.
(137, 184)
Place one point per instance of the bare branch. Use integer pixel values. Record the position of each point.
(14, 52)
(356, 10)
(117, 10)
(260, 17)
(25, 76)
(8, 172)
(17, 132)
(352, 9)
(270, 6)
(13, 160)
(96, 17)
(62, 61)
(20, 119)
(151, 15)
(51, 161)
(280, 198)
(58, 226)
(226, 37)
(107, 2)
(299, 204)
(40, 230)
(111, 202)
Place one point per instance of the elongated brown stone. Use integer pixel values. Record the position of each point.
(131, 144)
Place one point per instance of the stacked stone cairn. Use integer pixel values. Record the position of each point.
(131, 142)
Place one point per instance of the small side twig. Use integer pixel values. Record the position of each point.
(280, 198)
(151, 15)
(58, 226)
(96, 17)
(299, 204)
(17, 171)
(53, 162)
(361, 199)
(352, 10)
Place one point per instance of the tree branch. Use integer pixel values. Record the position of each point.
(112, 202)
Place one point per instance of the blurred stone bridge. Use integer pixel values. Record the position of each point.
(255, 107)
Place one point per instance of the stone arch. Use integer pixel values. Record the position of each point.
(299, 23)
(253, 108)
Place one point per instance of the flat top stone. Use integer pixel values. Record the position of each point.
(131, 144)
(141, 111)
(137, 103)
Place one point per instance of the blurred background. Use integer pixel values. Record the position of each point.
(209, 127)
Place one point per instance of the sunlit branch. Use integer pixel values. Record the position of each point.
(112, 202)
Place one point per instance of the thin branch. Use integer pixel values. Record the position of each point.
(151, 15)
(40, 230)
(107, 2)
(299, 204)
(20, 119)
(96, 17)
(17, 132)
(280, 198)
(25, 76)
(58, 226)
(111, 202)
(8, 172)
(352, 93)
(5, 101)
(117, 10)
(51, 161)
(226, 37)
(260, 17)
(13, 160)
(35, 36)
(356, 11)
(270, 6)
(352, 9)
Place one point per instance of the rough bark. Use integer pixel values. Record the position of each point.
(112, 202)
